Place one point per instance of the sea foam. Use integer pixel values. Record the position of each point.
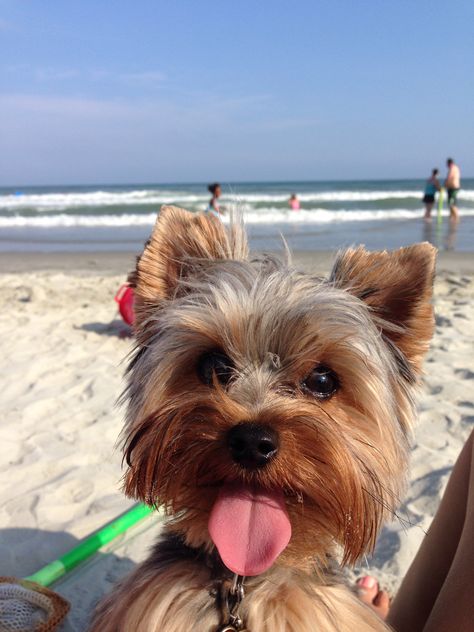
(47, 202)
(270, 216)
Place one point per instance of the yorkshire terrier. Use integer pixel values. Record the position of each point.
(269, 413)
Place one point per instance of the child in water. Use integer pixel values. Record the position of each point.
(294, 203)
(431, 187)
(213, 206)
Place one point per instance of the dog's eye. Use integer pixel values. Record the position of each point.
(216, 364)
(322, 382)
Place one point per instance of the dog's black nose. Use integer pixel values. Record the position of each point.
(252, 445)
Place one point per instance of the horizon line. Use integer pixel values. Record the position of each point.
(206, 182)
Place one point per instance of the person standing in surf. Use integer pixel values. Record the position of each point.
(431, 187)
(453, 184)
(214, 206)
(294, 203)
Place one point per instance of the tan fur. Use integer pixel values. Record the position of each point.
(281, 601)
(397, 287)
(341, 462)
(178, 240)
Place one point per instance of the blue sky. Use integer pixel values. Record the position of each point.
(150, 91)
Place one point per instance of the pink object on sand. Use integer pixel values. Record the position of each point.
(125, 298)
(250, 528)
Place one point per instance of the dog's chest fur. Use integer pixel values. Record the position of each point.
(177, 590)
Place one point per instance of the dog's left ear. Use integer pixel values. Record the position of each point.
(397, 286)
(180, 242)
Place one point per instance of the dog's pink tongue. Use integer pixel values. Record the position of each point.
(250, 528)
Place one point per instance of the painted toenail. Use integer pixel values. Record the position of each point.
(367, 582)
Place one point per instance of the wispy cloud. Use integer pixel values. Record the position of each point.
(69, 107)
(147, 77)
(55, 74)
(194, 114)
(281, 124)
(142, 77)
(103, 138)
(52, 74)
(5, 25)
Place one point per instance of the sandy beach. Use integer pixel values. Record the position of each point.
(63, 348)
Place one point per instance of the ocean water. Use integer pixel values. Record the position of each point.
(379, 214)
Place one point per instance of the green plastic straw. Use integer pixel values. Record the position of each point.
(440, 205)
(87, 547)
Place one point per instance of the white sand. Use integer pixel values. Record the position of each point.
(60, 475)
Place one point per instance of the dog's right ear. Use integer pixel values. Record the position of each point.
(180, 241)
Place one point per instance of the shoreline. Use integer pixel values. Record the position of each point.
(116, 263)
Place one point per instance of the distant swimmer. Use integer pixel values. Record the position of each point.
(294, 203)
(214, 206)
(453, 184)
(431, 188)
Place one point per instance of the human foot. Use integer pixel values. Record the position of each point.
(369, 592)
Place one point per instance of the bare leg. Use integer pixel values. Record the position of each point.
(436, 594)
(428, 207)
(454, 217)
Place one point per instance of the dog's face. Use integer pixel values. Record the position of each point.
(269, 410)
